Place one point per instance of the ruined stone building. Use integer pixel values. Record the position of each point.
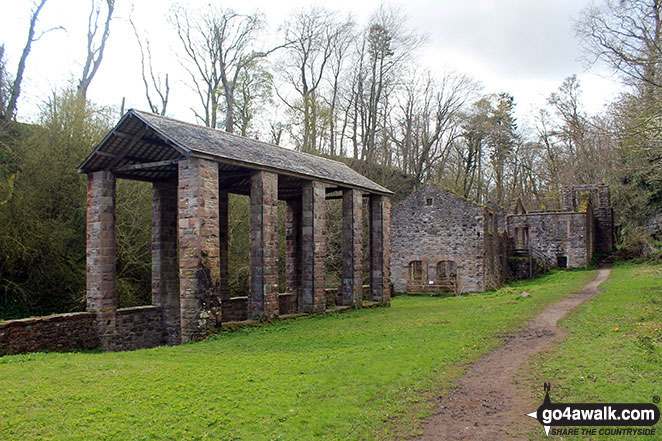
(443, 242)
(440, 240)
(567, 238)
(192, 170)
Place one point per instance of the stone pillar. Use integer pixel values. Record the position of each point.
(313, 244)
(165, 286)
(263, 299)
(293, 246)
(100, 277)
(604, 196)
(224, 244)
(604, 221)
(352, 248)
(380, 248)
(199, 263)
(568, 199)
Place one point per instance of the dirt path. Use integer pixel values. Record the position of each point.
(486, 405)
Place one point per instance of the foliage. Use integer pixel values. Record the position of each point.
(42, 257)
(612, 351)
(42, 239)
(638, 243)
(350, 376)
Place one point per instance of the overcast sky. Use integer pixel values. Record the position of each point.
(524, 47)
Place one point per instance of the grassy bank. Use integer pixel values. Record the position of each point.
(612, 352)
(350, 376)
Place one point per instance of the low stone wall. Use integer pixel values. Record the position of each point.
(235, 309)
(287, 303)
(138, 328)
(61, 332)
(332, 297)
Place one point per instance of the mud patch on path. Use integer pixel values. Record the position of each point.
(486, 405)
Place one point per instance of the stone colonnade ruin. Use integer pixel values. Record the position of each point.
(193, 170)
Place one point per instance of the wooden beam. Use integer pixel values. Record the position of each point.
(136, 138)
(146, 165)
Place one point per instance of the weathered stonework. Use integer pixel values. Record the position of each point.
(235, 309)
(61, 332)
(135, 328)
(287, 303)
(568, 237)
(352, 269)
(313, 238)
(138, 328)
(604, 221)
(199, 263)
(434, 225)
(100, 276)
(263, 299)
(165, 279)
(224, 243)
(293, 246)
(557, 235)
(380, 249)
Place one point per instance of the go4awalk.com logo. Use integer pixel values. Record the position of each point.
(580, 418)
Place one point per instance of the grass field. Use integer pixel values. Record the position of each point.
(360, 375)
(612, 352)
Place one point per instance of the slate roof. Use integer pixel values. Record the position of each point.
(169, 139)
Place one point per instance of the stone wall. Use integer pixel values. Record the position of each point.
(235, 309)
(135, 328)
(287, 303)
(557, 234)
(496, 256)
(138, 328)
(61, 332)
(432, 225)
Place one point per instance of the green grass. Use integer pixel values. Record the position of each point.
(360, 375)
(612, 352)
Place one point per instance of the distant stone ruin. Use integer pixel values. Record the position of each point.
(441, 242)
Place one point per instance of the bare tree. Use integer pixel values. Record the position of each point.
(383, 51)
(95, 44)
(428, 121)
(315, 37)
(219, 45)
(5, 83)
(160, 86)
(627, 35)
(338, 60)
(13, 90)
